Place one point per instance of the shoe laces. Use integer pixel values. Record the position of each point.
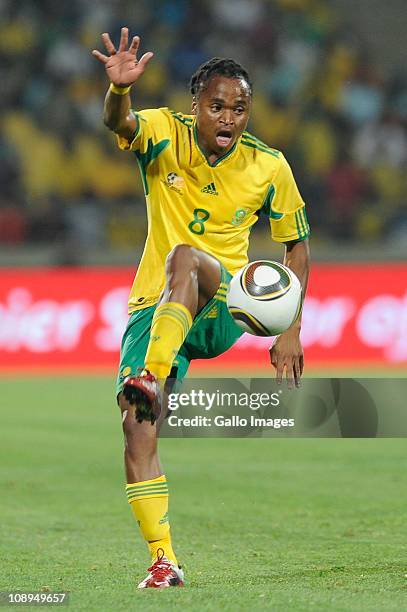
(161, 566)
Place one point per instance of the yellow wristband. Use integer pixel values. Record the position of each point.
(120, 91)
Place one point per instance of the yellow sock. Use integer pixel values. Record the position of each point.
(169, 328)
(149, 503)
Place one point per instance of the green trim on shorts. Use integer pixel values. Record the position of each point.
(212, 333)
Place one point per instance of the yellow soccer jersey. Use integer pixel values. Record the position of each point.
(209, 206)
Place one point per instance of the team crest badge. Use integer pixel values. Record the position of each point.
(239, 216)
(175, 182)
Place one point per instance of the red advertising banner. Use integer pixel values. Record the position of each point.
(74, 318)
(353, 314)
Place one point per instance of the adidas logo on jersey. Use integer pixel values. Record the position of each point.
(210, 188)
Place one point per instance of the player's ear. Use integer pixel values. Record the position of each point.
(193, 105)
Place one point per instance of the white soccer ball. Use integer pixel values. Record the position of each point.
(264, 298)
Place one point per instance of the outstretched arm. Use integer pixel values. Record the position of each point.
(286, 352)
(123, 69)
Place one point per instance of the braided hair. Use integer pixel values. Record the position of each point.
(217, 66)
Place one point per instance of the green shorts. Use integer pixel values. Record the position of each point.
(212, 333)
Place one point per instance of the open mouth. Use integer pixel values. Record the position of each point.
(224, 138)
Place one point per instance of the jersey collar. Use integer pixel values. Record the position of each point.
(220, 160)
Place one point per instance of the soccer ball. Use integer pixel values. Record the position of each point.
(264, 298)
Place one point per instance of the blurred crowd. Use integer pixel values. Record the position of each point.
(318, 96)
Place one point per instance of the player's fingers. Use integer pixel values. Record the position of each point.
(297, 372)
(145, 59)
(102, 58)
(279, 365)
(134, 45)
(273, 357)
(110, 48)
(124, 39)
(301, 360)
(290, 375)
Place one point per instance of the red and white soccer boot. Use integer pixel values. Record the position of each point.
(162, 574)
(143, 391)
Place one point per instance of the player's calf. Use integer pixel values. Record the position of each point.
(140, 451)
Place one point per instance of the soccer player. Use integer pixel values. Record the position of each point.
(206, 179)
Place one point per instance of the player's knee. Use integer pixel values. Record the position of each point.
(123, 403)
(182, 258)
(128, 416)
(140, 438)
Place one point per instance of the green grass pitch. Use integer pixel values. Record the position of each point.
(258, 524)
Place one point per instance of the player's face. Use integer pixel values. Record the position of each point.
(222, 112)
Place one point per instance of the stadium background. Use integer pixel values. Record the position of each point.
(331, 91)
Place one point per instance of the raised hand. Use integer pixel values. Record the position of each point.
(122, 66)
